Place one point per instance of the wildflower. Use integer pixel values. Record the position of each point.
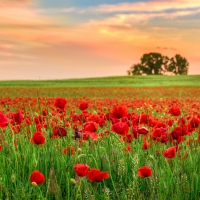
(3, 120)
(37, 177)
(144, 172)
(60, 103)
(83, 106)
(95, 175)
(119, 112)
(120, 128)
(59, 131)
(175, 111)
(38, 138)
(68, 150)
(18, 117)
(170, 152)
(145, 145)
(144, 118)
(142, 130)
(194, 122)
(81, 169)
(90, 126)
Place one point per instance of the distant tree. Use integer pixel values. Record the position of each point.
(137, 69)
(129, 72)
(151, 63)
(178, 65)
(156, 63)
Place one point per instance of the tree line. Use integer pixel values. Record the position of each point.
(156, 63)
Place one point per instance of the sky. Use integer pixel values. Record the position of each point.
(58, 39)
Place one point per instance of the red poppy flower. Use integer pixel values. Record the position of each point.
(179, 131)
(120, 128)
(28, 121)
(142, 130)
(85, 136)
(38, 138)
(95, 175)
(60, 103)
(93, 135)
(144, 172)
(194, 122)
(175, 111)
(68, 150)
(119, 112)
(18, 117)
(181, 120)
(59, 131)
(145, 145)
(83, 105)
(170, 152)
(81, 169)
(135, 132)
(90, 126)
(37, 177)
(144, 118)
(159, 132)
(128, 138)
(3, 120)
(39, 127)
(127, 149)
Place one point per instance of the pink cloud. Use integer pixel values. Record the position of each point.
(15, 3)
(5, 46)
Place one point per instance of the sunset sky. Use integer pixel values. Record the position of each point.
(56, 39)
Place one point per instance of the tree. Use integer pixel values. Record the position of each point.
(137, 69)
(178, 65)
(151, 63)
(156, 63)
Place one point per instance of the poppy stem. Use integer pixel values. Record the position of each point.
(110, 174)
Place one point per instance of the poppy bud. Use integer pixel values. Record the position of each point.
(34, 184)
(79, 150)
(73, 181)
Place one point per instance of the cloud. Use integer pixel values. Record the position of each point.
(15, 3)
(148, 6)
(5, 47)
(31, 36)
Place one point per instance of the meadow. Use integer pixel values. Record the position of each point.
(114, 138)
(113, 81)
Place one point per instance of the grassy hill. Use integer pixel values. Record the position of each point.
(115, 81)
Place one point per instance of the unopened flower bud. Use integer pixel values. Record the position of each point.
(34, 184)
(73, 181)
(79, 150)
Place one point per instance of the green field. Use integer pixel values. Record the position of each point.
(115, 81)
(143, 132)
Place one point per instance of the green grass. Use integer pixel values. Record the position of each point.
(115, 81)
(177, 179)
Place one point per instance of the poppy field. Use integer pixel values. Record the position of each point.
(100, 143)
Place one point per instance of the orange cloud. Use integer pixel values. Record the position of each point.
(15, 3)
